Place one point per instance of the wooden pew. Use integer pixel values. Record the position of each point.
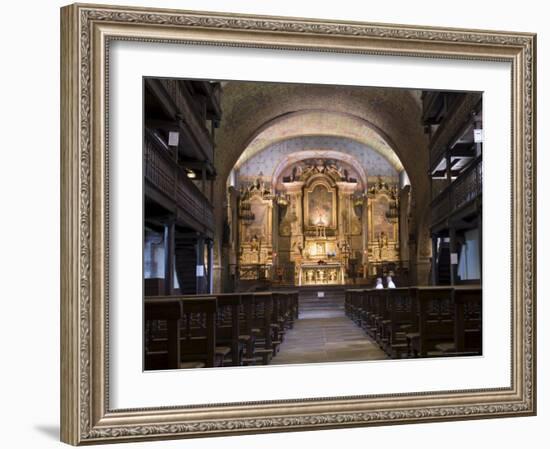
(435, 324)
(262, 317)
(425, 321)
(228, 327)
(347, 303)
(295, 303)
(378, 314)
(356, 306)
(198, 330)
(468, 322)
(367, 310)
(183, 325)
(248, 328)
(278, 319)
(383, 318)
(162, 349)
(247, 334)
(355, 296)
(370, 299)
(401, 316)
(228, 348)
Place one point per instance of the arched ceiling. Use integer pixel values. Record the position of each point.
(250, 109)
(275, 158)
(319, 123)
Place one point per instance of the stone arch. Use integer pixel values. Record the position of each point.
(250, 109)
(322, 154)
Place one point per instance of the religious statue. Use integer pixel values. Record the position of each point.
(296, 172)
(382, 243)
(320, 165)
(255, 244)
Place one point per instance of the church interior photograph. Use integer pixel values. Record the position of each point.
(306, 223)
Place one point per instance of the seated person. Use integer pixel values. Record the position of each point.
(389, 282)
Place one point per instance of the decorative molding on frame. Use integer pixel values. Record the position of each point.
(86, 417)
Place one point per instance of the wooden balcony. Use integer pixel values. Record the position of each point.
(212, 96)
(168, 184)
(190, 116)
(436, 105)
(457, 197)
(452, 126)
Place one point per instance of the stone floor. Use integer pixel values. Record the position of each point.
(324, 334)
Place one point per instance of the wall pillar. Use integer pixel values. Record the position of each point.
(452, 250)
(275, 236)
(200, 279)
(365, 231)
(404, 204)
(434, 260)
(210, 273)
(294, 190)
(169, 256)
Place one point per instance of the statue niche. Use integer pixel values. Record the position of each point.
(383, 213)
(255, 229)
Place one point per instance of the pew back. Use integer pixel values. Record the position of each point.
(183, 325)
(435, 319)
(162, 337)
(468, 313)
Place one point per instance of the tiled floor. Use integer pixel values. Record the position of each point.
(324, 334)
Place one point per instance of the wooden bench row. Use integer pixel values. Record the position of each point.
(229, 329)
(420, 321)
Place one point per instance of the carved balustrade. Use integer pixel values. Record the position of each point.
(164, 174)
(466, 188)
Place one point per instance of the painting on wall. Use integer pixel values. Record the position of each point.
(258, 227)
(383, 228)
(321, 206)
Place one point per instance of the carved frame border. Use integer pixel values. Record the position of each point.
(86, 31)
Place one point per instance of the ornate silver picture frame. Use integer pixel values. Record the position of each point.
(87, 32)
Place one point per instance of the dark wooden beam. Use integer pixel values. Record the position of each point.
(463, 149)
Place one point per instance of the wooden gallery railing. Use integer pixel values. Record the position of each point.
(227, 329)
(420, 321)
(462, 191)
(163, 173)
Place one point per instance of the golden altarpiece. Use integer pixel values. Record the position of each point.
(318, 223)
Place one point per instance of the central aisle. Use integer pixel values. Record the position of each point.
(324, 334)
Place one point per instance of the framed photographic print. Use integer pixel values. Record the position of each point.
(279, 224)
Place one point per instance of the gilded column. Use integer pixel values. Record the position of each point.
(294, 190)
(345, 207)
(365, 230)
